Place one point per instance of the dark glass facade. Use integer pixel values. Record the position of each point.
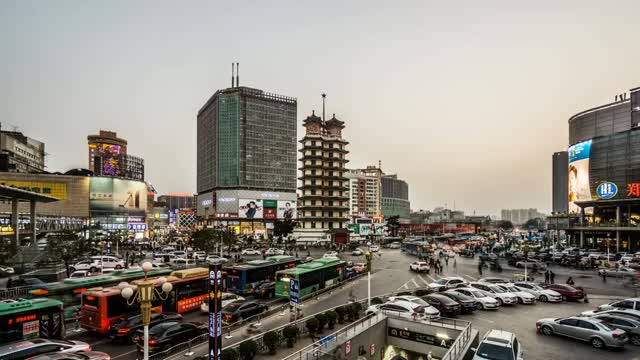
(395, 197)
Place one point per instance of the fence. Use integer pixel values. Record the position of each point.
(185, 347)
(16, 293)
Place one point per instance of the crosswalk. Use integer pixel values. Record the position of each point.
(423, 280)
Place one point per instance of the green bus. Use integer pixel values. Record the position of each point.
(313, 276)
(69, 291)
(25, 319)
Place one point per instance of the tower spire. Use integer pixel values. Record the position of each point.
(324, 97)
(232, 75)
(237, 74)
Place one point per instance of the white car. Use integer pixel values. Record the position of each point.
(625, 260)
(28, 348)
(374, 248)
(484, 302)
(499, 344)
(531, 263)
(357, 252)
(523, 296)
(395, 245)
(199, 255)
(79, 274)
(227, 298)
(405, 309)
(274, 251)
(95, 263)
(166, 258)
(180, 254)
(544, 295)
(183, 263)
(503, 297)
(624, 312)
(630, 303)
(250, 252)
(419, 266)
(448, 283)
(214, 257)
(409, 298)
(330, 254)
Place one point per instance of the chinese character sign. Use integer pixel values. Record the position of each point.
(633, 190)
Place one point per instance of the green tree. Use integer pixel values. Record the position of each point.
(282, 229)
(506, 225)
(67, 248)
(393, 225)
(229, 238)
(204, 240)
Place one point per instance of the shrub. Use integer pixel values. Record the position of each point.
(376, 301)
(312, 325)
(229, 354)
(248, 349)
(349, 311)
(290, 333)
(342, 312)
(322, 321)
(332, 316)
(271, 340)
(356, 308)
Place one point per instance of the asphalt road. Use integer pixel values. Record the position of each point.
(390, 273)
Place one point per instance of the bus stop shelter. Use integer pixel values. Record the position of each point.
(15, 196)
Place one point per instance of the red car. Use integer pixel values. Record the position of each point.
(567, 292)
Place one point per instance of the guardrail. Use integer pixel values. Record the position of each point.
(460, 344)
(15, 293)
(186, 347)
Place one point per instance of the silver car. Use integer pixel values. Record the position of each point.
(628, 324)
(594, 331)
(621, 272)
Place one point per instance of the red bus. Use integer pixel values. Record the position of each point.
(102, 307)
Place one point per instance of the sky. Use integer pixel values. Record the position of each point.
(465, 100)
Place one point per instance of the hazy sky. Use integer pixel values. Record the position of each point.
(465, 100)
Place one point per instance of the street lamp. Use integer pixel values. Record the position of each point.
(146, 293)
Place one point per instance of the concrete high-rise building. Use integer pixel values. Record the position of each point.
(19, 153)
(324, 201)
(246, 159)
(395, 197)
(365, 192)
(520, 216)
(560, 182)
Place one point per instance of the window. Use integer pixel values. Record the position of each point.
(587, 325)
(568, 322)
(626, 304)
(116, 306)
(621, 322)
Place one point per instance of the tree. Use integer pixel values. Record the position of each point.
(229, 238)
(506, 225)
(393, 225)
(248, 349)
(66, 248)
(282, 229)
(7, 250)
(204, 240)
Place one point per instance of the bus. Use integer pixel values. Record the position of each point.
(102, 307)
(313, 276)
(69, 291)
(245, 278)
(25, 319)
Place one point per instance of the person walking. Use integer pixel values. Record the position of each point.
(552, 276)
(604, 276)
(570, 281)
(446, 260)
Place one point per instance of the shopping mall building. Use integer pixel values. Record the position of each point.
(603, 177)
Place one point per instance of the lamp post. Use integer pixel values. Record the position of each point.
(146, 293)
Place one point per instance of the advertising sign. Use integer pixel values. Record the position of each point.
(579, 189)
(117, 196)
(294, 291)
(215, 311)
(370, 229)
(419, 337)
(270, 213)
(607, 190)
(57, 190)
(286, 210)
(250, 209)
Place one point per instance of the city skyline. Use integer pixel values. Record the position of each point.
(464, 111)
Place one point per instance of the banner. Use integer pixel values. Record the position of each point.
(117, 196)
(250, 209)
(579, 189)
(286, 210)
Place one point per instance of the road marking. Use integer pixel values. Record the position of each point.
(403, 287)
(430, 278)
(127, 353)
(423, 280)
(414, 282)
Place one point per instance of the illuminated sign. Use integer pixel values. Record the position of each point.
(437, 340)
(206, 202)
(21, 319)
(633, 190)
(607, 190)
(215, 311)
(57, 190)
(226, 199)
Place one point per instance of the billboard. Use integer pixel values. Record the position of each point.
(111, 156)
(117, 196)
(250, 209)
(286, 209)
(579, 189)
(55, 189)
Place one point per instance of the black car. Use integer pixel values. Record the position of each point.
(266, 290)
(31, 283)
(168, 334)
(467, 303)
(240, 310)
(124, 329)
(446, 305)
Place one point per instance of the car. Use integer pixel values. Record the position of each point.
(628, 324)
(182, 263)
(502, 296)
(168, 334)
(630, 303)
(523, 296)
(594, 331)
(620, 272)
(446, 283)
(444, 304)
(330, 254)
(250, 252)
(79, 274)
(199, 255)
(544, 295)
(531, 264)
(359, 267)
(595, 254)
(28, 348)
(216, 258)
(488, 256)
(80, 355)
(357, 252)
(265, 290)
(616, 312)
(484, 302)
(96, 263)
(493, 280)
(240, 310)
(467, 303)
(567, 292)
(180, 254)
(274, 251)
(307, 259)
(499, 345)
(405, 309)
(7, 270)
(227, 298)
(625, 260)
(125, 329)
(374, 248)
(409, 298)
(395, 245)
(159, 265)
(31, 283)
(419, 266)
(164, 258)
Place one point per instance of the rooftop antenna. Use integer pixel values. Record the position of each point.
(237, 74)
(324, 97)
(379, 164)
(232, 75)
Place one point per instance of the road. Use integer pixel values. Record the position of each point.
(390, 273)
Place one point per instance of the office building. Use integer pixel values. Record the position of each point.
(520, 216)
(246, 159)
(19, 153)
(560, 180)
(395, 197)
(365, 193)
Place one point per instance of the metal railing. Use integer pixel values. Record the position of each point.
(460, 344)
(186, 347)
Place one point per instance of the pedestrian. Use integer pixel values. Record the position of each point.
(480, 268)
(570, 281)
(446, 260)
(604, 276)
(546, 277)
(552, 277)
(454, 263)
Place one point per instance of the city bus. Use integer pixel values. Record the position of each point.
(313, 276)
(245, 278)
(102, 307)
(69, 291)
(25, 319)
